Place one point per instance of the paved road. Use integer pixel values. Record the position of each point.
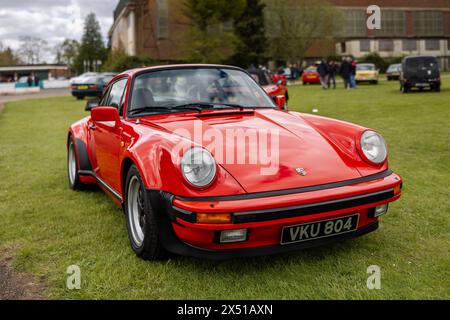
(47, 93)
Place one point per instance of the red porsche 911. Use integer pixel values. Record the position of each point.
(205, 164)
(310, 76)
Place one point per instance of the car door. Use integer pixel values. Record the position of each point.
(107, 138)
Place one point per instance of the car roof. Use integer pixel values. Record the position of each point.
(417, 56)
(136, 71)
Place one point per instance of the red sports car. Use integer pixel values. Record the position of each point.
(272, 88)
(310, 76)
(205, 164)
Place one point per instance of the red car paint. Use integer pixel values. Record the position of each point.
(310, 76)
(328, 149)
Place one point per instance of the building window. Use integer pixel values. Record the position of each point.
(393, 23)
(355, 23)
(428, 23)
(386, 45)
(409, 45)
(432, 45)
(343, 47)
(163, 19)
(448, 44)
(364, 45)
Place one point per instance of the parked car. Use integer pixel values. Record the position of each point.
(279, 77)
(366, 72)
(148, 145)
(82, 77)
(91, 86)
(393, 72)
(310, 76)
(420, 72)
(273, 89)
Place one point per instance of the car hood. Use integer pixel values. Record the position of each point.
(295, 155)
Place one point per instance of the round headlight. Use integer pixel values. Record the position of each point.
(374, 147)
(198, 167)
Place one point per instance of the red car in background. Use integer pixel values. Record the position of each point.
(271, 87)
(310, 76)
(184, 192)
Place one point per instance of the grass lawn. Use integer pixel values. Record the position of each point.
(50, 227)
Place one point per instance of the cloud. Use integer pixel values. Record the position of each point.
(51, 20)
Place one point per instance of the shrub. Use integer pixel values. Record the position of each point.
(118, 62)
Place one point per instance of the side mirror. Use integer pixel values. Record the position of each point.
(91, 104)
(105, 114)
(280, 101)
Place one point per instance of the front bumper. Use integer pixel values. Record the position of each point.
(264, 216)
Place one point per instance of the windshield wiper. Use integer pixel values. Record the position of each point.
(197, 106)
(163, 108)
(209, 105)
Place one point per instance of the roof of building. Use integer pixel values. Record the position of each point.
(34, 67)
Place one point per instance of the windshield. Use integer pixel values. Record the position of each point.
(420, 63)
(171, 88)
(262, 77)
(365, 67)
(394, 67)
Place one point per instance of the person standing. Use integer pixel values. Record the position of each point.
(30, 81)
(332, 67)
(323, 71)
(346, 71)
(353, 74)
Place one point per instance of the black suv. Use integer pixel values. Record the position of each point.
(420, 72)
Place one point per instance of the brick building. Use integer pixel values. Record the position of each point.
(156, 27)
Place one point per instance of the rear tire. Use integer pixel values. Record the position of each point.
(142, 228)
(72, 167)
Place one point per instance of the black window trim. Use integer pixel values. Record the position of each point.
(108, 91)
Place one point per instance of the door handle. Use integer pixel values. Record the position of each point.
(92, 126)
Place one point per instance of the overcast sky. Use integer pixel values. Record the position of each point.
(51, 20)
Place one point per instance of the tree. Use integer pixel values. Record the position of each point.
(32, 49)
(7, 56)
(294, 25)
(92, 49)
(250, 29)
(67, 52)
(211, 38)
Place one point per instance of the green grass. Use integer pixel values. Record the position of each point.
(50, 227)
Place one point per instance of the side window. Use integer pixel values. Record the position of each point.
(105, 97)
(114, 97)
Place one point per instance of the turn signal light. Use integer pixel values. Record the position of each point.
(213, 218)
(397, 189)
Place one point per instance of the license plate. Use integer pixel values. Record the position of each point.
(422, 84)
(83, 87)
(319, 229)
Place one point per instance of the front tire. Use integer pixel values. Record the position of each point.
(72, 167)
(141, 222)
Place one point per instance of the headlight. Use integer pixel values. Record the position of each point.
(198, 167)
(374, 147)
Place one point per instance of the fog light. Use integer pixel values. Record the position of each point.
(228, 236)
(380, 210)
